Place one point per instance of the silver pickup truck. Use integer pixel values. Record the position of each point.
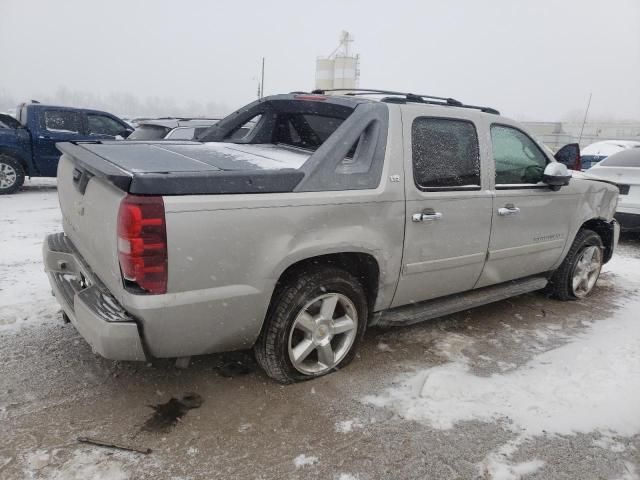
(301, 219)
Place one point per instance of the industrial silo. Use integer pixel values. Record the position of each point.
(340, 69)
(324, 73)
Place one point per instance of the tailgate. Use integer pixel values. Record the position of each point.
(89, 207)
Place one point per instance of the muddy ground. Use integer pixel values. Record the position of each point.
(53, 389)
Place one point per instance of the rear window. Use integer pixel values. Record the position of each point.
(149, 132)
(304, 130)
(628, 158)
(181, 133)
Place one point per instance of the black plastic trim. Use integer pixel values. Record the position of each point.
(181, 183)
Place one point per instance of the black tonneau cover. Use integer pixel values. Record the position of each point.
(188, 168)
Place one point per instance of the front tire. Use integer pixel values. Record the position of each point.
(11, 175)
(314, 326)
(580, 270)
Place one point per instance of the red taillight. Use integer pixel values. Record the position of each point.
(142, 242)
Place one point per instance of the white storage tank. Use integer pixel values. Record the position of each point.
(345, 72)
(324, 73)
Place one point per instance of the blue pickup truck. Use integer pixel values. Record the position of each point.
(28, 144)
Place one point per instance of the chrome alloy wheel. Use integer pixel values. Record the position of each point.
(323, 333)
(586, 271)
(8, 176)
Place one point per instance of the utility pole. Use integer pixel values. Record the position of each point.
(261, 90)
(585, 118)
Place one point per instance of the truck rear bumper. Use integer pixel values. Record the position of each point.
(95, 313)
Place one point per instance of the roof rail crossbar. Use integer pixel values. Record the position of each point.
(408, 97)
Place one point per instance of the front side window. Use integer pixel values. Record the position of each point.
(445, 153)
(62, 121)
(518, 159)
(103, 125)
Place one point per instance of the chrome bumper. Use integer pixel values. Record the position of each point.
(95, 313)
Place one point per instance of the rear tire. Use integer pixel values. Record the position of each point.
(11, 175)
(579, 272)
(314, 325)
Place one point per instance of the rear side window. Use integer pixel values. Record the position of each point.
(63, 121)
(445, 153)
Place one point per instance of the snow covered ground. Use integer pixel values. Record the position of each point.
(25, 218)
(590, 384)
(526, 388)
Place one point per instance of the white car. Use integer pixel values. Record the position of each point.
(623, 168)
(598, 151)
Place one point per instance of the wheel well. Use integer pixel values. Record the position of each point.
(605, 230)
(361, 265)
(18, 159)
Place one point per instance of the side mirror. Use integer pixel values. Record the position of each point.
(126, 133)
(569, 156)
(556, 175)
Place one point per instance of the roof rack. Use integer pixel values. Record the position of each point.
(408, 97)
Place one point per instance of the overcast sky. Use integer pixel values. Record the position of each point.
(532, 59)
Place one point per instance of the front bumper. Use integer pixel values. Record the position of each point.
(95, 313)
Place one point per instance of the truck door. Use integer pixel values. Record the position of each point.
(448, 208)
(54, 125)
(530, 221)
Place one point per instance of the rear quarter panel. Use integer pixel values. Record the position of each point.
(226, 253)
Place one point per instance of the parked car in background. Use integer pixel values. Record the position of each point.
(171, 128)
(28, 145)
(7, 121)
(598, 151)
(343, 212)
(623, 168)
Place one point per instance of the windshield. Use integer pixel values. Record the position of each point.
(149, 132)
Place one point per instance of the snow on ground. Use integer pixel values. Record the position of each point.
(590, 384)
(25, 218)
(303, 460)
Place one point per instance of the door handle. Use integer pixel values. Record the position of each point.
(47, 137)
(427, 215)
(508, 209)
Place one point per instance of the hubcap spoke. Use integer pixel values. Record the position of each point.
(328, 307)
(8, 175)
(325, 354)
(342, 325)
(306, 323)
(315, 330)
(302, 350)
(586, 271)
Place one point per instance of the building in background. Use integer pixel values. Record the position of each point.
(341, 69)
(557, 134)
